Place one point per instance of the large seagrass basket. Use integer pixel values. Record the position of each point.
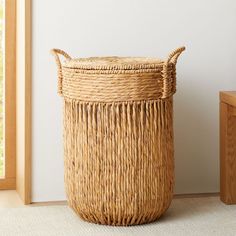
(118, 136)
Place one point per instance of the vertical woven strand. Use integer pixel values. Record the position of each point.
(119, 149)
(122, 155)
(129, 162)
(142, 157)
(113, 163)
(135, 135)
(78, 162)
(124, 166)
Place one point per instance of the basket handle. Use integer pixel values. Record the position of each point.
(172, 58)
(56, 52)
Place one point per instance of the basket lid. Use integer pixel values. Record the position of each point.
(113, 63)
(80, 71)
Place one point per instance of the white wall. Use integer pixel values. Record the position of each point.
(137, 28)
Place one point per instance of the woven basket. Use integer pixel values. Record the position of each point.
(118, 136)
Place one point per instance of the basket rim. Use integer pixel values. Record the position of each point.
(113, 63)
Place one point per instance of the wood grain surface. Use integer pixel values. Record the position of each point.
(228, 147)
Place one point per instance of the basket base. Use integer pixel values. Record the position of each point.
(129, 220)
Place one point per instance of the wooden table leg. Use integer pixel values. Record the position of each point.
(227, 153)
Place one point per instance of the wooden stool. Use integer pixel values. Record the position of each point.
(228, 147)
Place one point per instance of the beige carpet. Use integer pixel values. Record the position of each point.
(198, 216)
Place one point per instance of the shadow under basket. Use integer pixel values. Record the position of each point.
(118, 136)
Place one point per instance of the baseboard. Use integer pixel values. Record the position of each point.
(176, 196)
(8, 184)
(196, 195)
(51, 203)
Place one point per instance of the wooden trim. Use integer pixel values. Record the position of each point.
(223, 141)
(7, 184)
(228, 97)
(233, 111)
(23, 173)
(51, 203)
(228, 147)
(176, 196)
(28, 105)
(9, 181)
(196, 195)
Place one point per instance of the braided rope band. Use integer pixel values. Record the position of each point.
(111, 79)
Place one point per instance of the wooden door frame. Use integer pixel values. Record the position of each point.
(28, 99)
(23, 155)
(9, 133)
(18, 176)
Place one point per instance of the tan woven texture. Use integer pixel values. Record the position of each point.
(118, 136)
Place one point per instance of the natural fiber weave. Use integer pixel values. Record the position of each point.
(118, 137)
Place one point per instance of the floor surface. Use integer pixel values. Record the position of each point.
(10, 198)
(187, 216)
